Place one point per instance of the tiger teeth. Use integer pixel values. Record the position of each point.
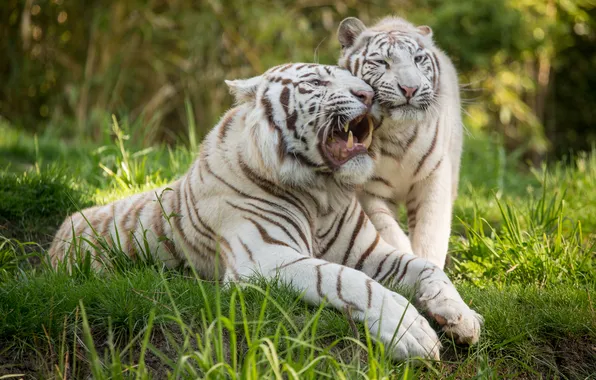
(350, 143)
(347, 126)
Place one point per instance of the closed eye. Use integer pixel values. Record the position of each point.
(384, 62)
(317, 82)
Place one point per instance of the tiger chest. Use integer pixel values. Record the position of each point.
(406, 160)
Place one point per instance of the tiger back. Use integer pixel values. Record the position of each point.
(265, 151)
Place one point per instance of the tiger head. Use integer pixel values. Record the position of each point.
(396, 58)
(307, 122)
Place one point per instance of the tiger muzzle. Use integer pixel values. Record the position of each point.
(339, 144)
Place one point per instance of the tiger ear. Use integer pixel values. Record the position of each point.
(244, 90)
(349, 29)
(425, 30)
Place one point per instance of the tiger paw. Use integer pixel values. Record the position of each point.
(414, 338)
(456, 319)
(464, 327)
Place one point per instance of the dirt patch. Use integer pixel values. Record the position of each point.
(570, 357)
(27, 363)
(41, 362)
(575, 357)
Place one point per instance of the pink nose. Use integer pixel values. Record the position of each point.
(365, 97)
(408, 91)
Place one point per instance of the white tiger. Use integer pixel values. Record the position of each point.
(272, 192)
(419, 145)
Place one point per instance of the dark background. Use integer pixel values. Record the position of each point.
(527, 68)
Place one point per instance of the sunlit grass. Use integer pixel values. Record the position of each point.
(193, 328)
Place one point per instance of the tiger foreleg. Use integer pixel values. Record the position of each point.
(434, 292)
(429, 215)
(380, 214)
(362, 248)
(389, 317)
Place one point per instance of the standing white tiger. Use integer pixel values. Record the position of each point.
(419, 144)
(272, 192)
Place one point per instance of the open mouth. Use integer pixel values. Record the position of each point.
(341, 144)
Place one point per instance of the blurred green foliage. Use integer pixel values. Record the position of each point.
(527, 66)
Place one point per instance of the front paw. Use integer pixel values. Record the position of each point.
(457, 320)
(415, 338)
(464, 326)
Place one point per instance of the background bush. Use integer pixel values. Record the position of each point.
(527, 67)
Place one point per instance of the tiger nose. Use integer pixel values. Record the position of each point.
(408, 91)
(365, 97)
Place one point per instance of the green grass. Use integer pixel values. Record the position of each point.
(523, 254)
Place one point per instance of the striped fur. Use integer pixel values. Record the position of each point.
(420, 142)
(261, 199)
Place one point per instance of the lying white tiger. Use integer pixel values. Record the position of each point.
(272, 192)
(420, 142)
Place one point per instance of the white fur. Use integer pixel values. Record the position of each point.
(430, 189)
(242, 209)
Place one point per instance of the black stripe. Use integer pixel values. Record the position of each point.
(322, 237)
(368, 192)
(339, 295)
(405, 269)
(284, 98)
(355, 233)
(289, 220)
(265, 235)
(320, 279)
(294, 262)
(304, 160)
(279, 225)
(219, 239)
(367, 253)
(436, 167)
(411, 139)
(380, 266)
(266, 103)
(430, 149)
(432, 271)
(196, 212)
(281, 148)
(272, 188)
(394, 267)
(337, 231)
(380, 179)
(357, 66)
(159, 230)
(437, 73)
(248, 250)
(267, 202)
(209, 235)
(225, 124)
(184, 237)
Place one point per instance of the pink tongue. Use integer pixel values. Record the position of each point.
(339, 148)
(338, 143)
